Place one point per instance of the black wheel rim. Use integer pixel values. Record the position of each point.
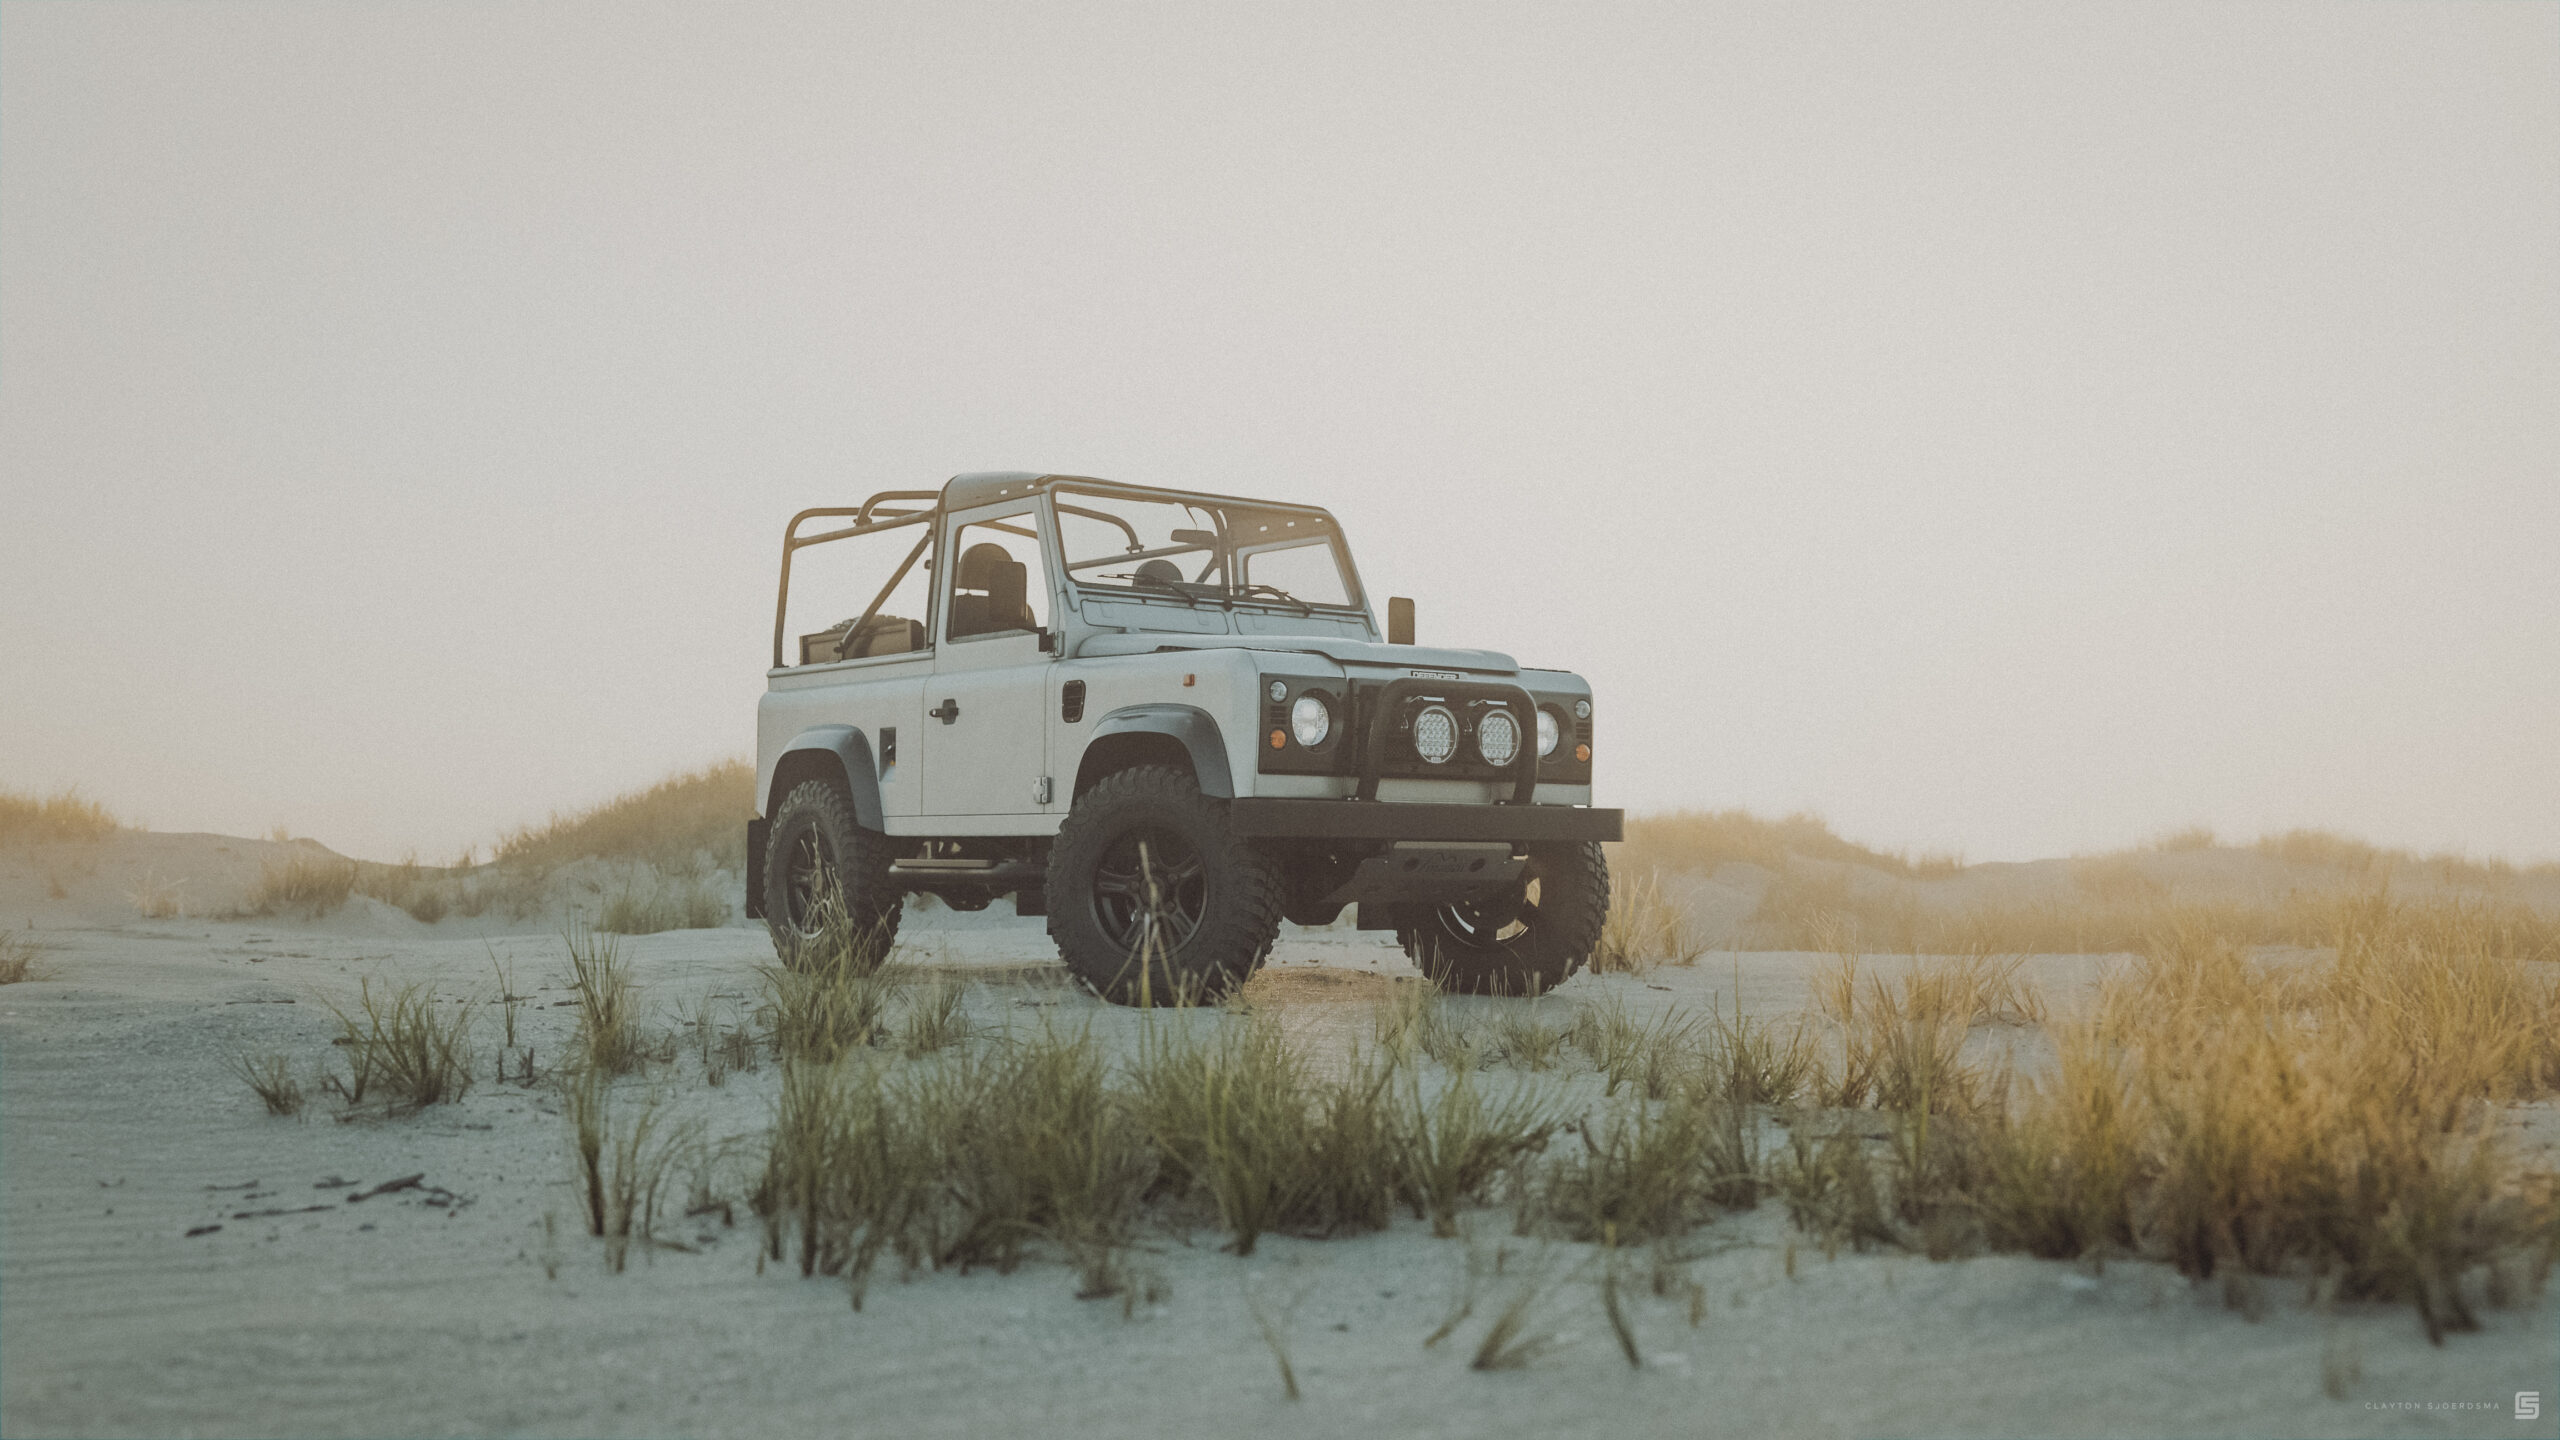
(808, 878)
(1493, 923)
(1149, 892)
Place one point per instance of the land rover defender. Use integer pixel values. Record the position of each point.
(1166, 721)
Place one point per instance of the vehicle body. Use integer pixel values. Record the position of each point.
(1165, 720)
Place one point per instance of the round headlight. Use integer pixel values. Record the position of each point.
(1498, 737)
(1435, 734)
(1310, 720)
(1279, 691)
(1548, 733)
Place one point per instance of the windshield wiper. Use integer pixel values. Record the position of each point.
(1303, 607)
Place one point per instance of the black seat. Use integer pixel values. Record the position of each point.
(1161, 570)
(1001, 586)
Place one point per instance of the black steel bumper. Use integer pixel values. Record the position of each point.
(1389, 820)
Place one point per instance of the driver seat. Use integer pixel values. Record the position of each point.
(1002, 584)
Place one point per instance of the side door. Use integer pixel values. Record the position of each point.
(986, 703)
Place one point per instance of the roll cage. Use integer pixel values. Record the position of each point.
(1223, 547)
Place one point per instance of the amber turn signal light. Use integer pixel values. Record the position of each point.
(1278, 739)
(1582, 753)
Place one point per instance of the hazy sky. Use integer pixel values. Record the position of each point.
(2012, 429)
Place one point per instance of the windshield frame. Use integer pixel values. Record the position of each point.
(1222, 592)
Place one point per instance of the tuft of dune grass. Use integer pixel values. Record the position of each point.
(2238, 1116)
(1644, 928)
(307, 885)
(31, 819)
(683, 904)
(401, 1048)
(671, 825)
(18, 959)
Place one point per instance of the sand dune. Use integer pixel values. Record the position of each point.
(473, 1303)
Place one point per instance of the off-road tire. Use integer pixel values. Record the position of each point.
(821, 810)
(1238, 899)
(1559, 935)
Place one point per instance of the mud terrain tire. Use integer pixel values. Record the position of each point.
(1524, 944)
(1209, 899)
(813, 830)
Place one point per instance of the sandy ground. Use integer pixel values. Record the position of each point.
(454, 1308)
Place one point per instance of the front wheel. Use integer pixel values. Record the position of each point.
(826, 882)
(1525, 941)
(1152, 899)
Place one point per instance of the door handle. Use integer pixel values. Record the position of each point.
(946, 712)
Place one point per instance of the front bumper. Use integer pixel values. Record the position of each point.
(1278, 817)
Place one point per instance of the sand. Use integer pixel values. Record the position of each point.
(473, 1304)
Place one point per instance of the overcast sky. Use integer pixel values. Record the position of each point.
(2006, 429)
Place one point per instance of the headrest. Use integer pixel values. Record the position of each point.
(981, 563)
(1161, 569)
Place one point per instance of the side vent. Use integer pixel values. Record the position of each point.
(1071, 701)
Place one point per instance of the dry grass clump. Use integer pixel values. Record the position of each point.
(1231, 1113)
(427, 893)
(934, 1018)
(307, 885)
(847, 1172)
(2367, 862)
(961, 1161)
(1520, 1035)
(67, 815)
(686, 903)
(1449, 1147)
(18, 959)
(2327, 1118)
(672, 825)
(1644, 928)
(821, 1015)
(1034, 1144)
(1645, 1171)
(609, 1041)
(1755, 1062)
(1654, 1055)
(270, 1075)
(401, 1047)
(625, 1170)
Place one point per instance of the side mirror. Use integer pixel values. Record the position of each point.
(1399, 620)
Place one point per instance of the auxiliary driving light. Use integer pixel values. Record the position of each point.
(1310, 720)
(1497, 737)
(1435, 734)
(1548, 733)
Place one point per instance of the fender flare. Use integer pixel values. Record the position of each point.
(852, 750)
(1194, 727)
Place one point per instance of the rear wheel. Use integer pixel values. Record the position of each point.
(1526, 940)
(1152, 898)
(822, 869)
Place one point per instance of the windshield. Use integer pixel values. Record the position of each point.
(1203, 550)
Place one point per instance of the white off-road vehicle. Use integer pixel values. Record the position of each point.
(1167, 721)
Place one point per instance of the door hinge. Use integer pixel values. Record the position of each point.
(1040, 791)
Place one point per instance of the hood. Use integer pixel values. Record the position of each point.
(1344, 651)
